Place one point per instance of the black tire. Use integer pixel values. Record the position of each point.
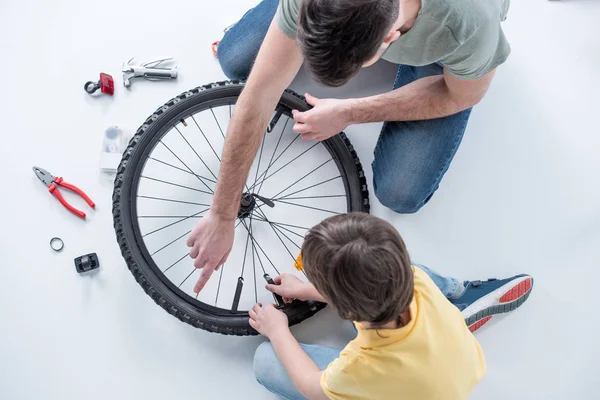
(137, 256)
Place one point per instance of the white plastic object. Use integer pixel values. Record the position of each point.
(113, 144)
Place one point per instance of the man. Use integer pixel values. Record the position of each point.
(447, 51)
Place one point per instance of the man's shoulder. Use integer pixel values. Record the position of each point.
(466, 17)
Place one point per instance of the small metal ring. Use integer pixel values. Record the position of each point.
(95, 86)
(53, 243)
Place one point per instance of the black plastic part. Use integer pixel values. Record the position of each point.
(87, 263)
(56, 244)
(274, 120)
(238, 294)
(278, 298)
(91, 89)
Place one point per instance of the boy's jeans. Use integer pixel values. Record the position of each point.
(270, 373)
(411, 157)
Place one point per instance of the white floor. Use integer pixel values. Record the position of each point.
(521, 196)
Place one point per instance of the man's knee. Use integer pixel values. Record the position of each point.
(235, 63)
(401, 193)
(400, 201)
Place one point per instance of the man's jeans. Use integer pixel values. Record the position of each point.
(272, 375)
(411, 157)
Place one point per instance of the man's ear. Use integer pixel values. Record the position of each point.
(391, 37)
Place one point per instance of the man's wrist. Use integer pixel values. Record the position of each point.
(351, 111)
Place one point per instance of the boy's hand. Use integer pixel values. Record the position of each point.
(289, 287)
(268, 320)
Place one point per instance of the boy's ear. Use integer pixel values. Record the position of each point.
(391, 37)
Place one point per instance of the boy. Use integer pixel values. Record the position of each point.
(412, 342)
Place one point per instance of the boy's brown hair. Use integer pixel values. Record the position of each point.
(359, 263)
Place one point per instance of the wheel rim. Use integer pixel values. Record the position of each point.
(178, 174)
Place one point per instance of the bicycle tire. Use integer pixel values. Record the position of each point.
(124, 209)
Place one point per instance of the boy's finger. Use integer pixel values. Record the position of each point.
(252, 323)
(271, 288)
(277, 280)
(252, 314)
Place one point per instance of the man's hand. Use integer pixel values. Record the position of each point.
(268, 321)
(327, 118)
(210, 241)
(289, 287)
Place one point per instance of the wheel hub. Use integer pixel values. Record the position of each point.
(246, 205)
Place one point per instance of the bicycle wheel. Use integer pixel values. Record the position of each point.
(165, 184)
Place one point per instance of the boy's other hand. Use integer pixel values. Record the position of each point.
(268, 321)
(289, 287)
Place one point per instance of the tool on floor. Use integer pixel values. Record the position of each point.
(106, 84)
(53, 183)
(278, 298)
(149, 70)
(86, 263)
(56, 244)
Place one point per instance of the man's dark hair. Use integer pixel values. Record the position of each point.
(337, 37)
(359, 263)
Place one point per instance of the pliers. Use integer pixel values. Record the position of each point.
(53, 183)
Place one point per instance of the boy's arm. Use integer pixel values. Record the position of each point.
(303, 371)
(305, 374)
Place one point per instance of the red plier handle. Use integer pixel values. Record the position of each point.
(52, 188)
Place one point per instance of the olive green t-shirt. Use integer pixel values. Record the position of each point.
(464, 35)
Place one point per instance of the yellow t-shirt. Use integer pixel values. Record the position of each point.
(433, 357)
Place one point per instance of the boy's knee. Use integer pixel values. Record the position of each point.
(234, 63)
(264, 360)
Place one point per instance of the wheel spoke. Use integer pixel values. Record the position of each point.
(313, 197)
(205, 138)
(175, 184)
(261, 249)
(272, 155)
(280, 227)
(181, 161)
(170, 243)
(181, 169)
(289, 162)
(219, 287)
(176, 262)
(279, 237)
(304, 206)
(308, 187)
(196, 153)
(176, 222)
(310, 173)
(173, 200)
(219, 125)
(186, 278)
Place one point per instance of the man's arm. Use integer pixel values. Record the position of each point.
(426, 98)
(276, 65)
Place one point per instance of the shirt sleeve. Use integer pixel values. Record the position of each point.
(339, 382)
(287, 16)
(480, 54)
